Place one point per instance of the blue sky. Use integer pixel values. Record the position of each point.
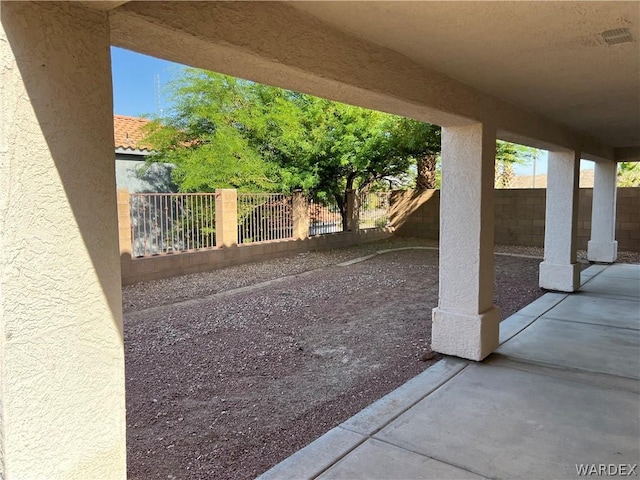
(134, 82)
(136, 79)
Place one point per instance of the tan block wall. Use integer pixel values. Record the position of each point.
(416, 214)
(520, 215)
(171, 265)
(124, 221)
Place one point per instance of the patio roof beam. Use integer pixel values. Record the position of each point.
(246, 39)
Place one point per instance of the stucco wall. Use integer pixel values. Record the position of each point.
(61, 341)
(520, 215)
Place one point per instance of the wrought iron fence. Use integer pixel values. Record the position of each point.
(263, 217)
(177, 222)
(373, 210)
(171, 222)
(324, 217)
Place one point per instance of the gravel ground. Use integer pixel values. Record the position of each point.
(229, 372)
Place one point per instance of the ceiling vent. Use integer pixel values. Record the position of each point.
(616, 36)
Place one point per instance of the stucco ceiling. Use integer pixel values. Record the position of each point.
(548, 57)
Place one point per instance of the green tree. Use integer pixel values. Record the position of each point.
(208, 135)
(224, 132)
(507, 156)
(347, 148)
(420, 141)
(629, 174)
(227, 132)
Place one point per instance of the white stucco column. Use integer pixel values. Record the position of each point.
(466, 322)
(603, 247)
(559, 270)
(61, 340)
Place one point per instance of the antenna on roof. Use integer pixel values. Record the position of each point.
(156, 94)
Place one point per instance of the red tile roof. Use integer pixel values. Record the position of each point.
(127, 132)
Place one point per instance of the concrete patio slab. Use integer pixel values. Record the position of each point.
(392, 462)
(592, 271)
(502, 423)
(316, 457)
(622, 271)
(380, 413)
(614, 312)
(603, 380)
(587, 347)
(541, 305)
(513, 325)
(614, 286)
(562, 391)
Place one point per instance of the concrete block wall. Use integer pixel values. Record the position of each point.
(228, 253)
(520, 216)
(170, 265)
(416, 214)
(124, 221)
(628, 219)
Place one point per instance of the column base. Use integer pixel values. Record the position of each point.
(467, 336)
(562, 278)
(605, 252)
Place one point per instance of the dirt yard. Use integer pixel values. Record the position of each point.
(230, 372)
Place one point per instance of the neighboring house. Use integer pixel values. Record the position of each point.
(131, 153)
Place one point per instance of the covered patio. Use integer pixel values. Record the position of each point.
(562, 76)
(557, 399)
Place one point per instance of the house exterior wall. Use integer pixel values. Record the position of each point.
(130, 175)
(519, 216)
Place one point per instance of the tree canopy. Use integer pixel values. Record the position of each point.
(629, 174)
(507, 156)
(225, 132)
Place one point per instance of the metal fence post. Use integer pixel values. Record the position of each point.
(300, 207)
(226, 217)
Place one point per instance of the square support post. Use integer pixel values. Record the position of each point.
(300, 213)
(466, 322)
(226, 217)
(603, 247)
(559, 270)
(62, 383)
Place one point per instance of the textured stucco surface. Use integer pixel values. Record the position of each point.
(465, 323)
(61, 343)
(559, 270)
(537, 55)
(603, 246)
